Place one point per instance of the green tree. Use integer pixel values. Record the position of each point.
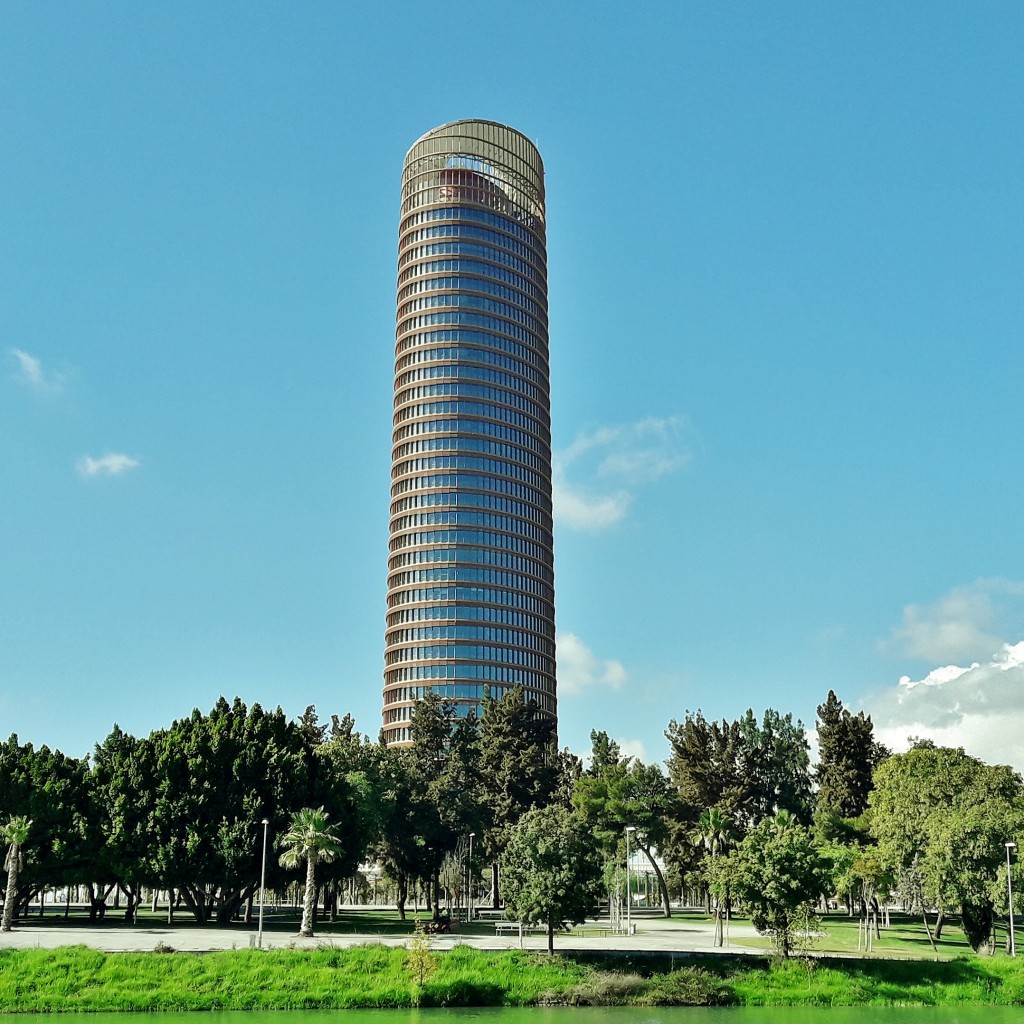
(15, 836)
(847, 757)
(777, 872)
(52, 790)
(940, 818)
(704, 766)
(218, 776)
(123, 787)
(399, 845)
(775, 763)
(714, 834)
(568, 768)
(518, 769)
(433, 791)
(351, 782)
(615, 792)
(309, 840)
(420, 959)
(444, 764)
(748, 769)
(552, 870)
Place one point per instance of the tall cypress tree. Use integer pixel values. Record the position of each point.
(518, 768)
(847, 756)
(444, 766)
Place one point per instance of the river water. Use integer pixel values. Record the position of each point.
(587, 1015)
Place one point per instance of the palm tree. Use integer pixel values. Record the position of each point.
(310, 839)
(714, 832)
(15, 834)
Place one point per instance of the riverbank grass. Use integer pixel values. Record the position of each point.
(377, 976)
(963, 981)
(79, 979)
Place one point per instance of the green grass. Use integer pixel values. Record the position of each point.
(905, 938)
(75, 978)
(964, 981)
(280, 925)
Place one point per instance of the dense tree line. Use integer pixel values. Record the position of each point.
(739, 817)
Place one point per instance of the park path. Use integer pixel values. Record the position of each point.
(652, 936)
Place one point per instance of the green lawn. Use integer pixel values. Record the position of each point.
(905, 938)
(373, 922)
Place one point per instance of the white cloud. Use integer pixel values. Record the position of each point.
(634, 748)
(111, 464)
(627, 748)
(586, 511)
(579, 669)
(613, 462)
(966, 624)
(30, 372)
(979, 707)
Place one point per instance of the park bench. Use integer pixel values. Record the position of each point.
(514, 927)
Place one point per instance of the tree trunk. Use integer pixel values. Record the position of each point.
(495, 894)
(666, 902)
(928, 929)
(551, 938)
(196, 902)
(11, 892)
(309, 898)
(940, 920)
(227, 908)
(402, 884)
(134, 897)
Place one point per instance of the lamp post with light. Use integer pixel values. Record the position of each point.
(629, 898)
(263, 881)
(1009, 895)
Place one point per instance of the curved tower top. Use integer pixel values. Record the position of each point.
(506, 157)
(471, 565)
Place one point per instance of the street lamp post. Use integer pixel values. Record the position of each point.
(629, 898)
(263, 881)
(469, 880)
(1009, 894)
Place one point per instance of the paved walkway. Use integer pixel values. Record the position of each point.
(655, 935)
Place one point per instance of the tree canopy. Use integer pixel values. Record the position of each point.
(847, 757)
(941, 819)
(552, 870)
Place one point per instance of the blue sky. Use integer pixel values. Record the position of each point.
(785, 246)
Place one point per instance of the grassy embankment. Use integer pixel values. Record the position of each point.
(80, 979)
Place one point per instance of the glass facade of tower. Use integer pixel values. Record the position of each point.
(470, 603)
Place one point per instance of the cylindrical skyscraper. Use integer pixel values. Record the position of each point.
(471, 569)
